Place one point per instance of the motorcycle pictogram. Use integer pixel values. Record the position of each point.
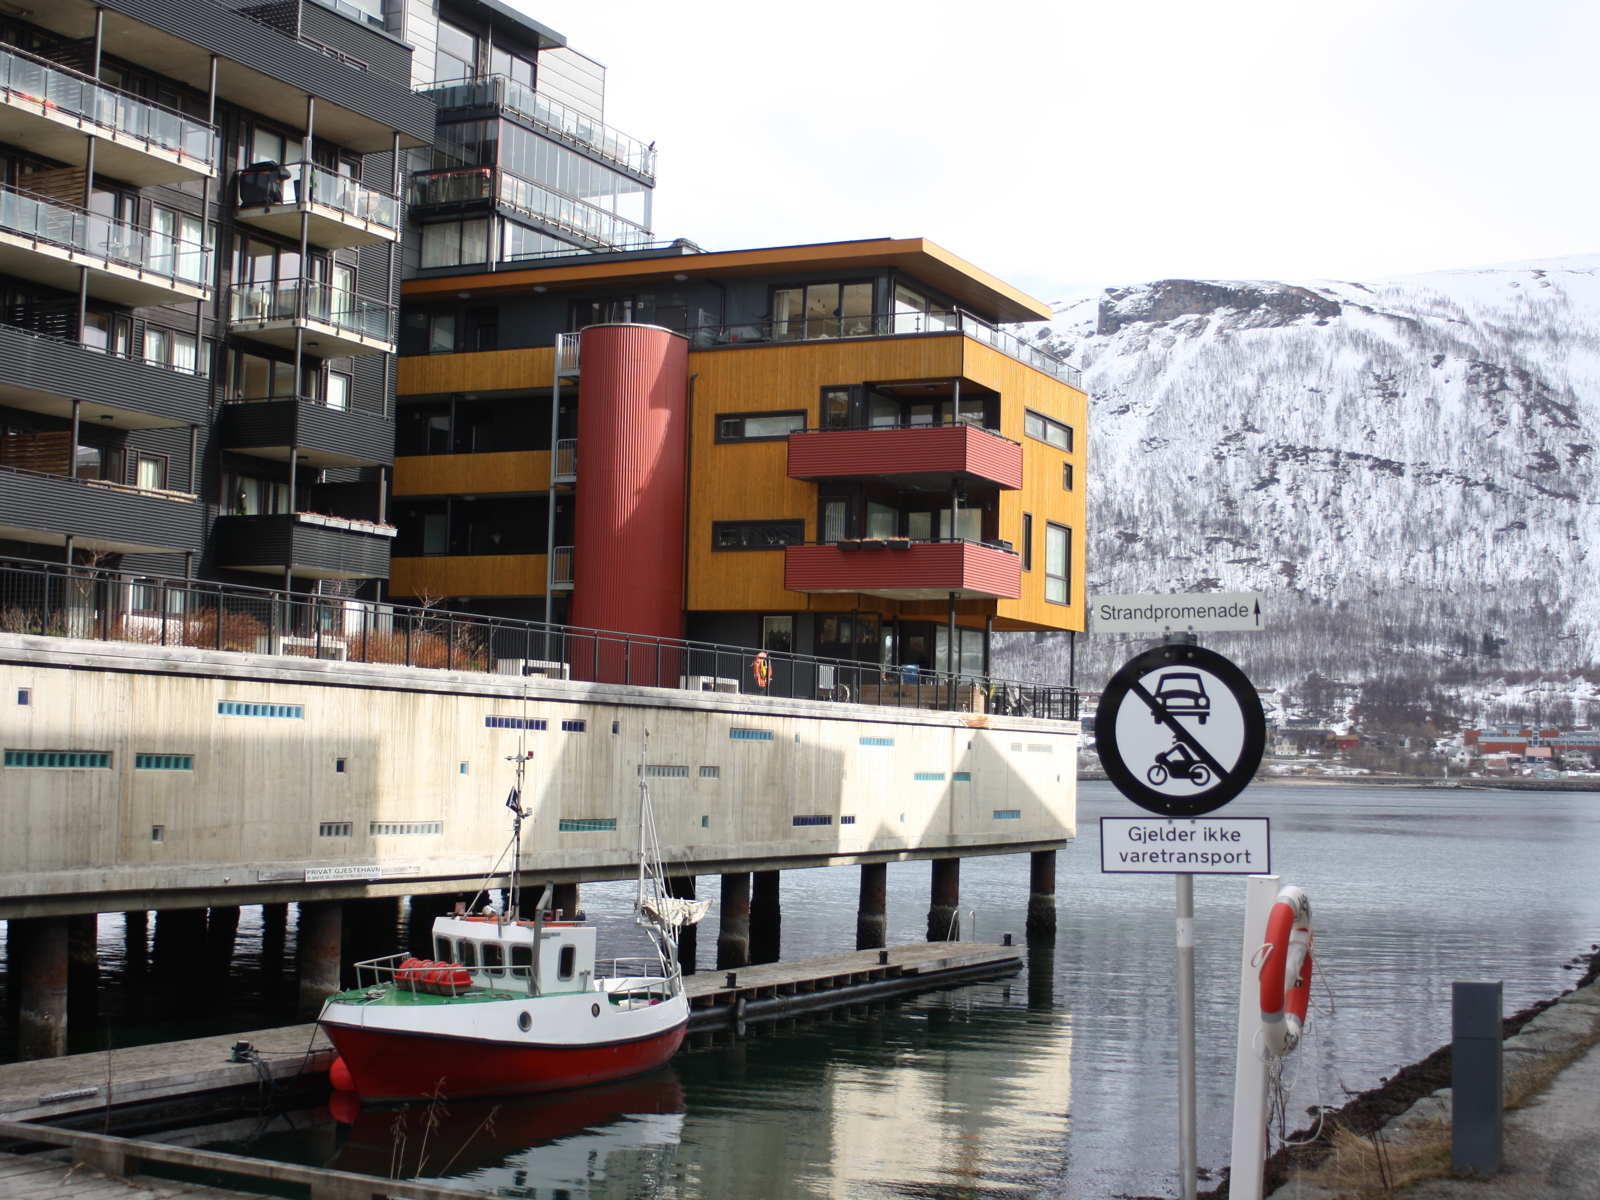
(1179, 763)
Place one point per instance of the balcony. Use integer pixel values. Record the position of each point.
(322, 437)
(897, 324)
(53, 110)
(311, 545)
(468, 185)
(475, 575)
(342, 212)
(45, 508)
(337, 324)
(900, 569)
(47, 243)
(566, 467)
(46, 374)
(561, 577)
(914, 458)
(557, 120)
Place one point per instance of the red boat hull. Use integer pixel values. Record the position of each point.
(394, 1065)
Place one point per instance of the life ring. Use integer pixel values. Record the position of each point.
(762, 668)
(1286, 971)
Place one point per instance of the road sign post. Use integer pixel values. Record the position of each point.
(1180, 732)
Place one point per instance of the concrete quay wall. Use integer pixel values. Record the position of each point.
(243, 800)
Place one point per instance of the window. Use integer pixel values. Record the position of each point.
(494, 958)
(1057, 564)
(777, 633)
(338, 766)
(106, 332)
(710, 772)
(586, 824)
(403, 828)
(567, 962)
(750, 735)
(818, 820)
(1066, 477)
(513, 66)
(882, 521)
(455, 243)
(258, 378)
(759, 427)
(521, 961)
(150, 471)
(961, 777)
(929, 776)
(100, 462)
(1027, 541)
(847, 820)
(617, 311)
(915, 313)
(877, 741)
(158, 833)
(178, 244)
(574, 726)
(756, 535)
(483, 328)
(337, 392)
(516, 723)
(457, 55)
(24, 696)
(57, 759)
(435, 533)
(1008, 814)
(822, 310)
(664, 771)
(469, 953)
(835, 519)
(1045, 430)
(340, 829)
(247, 496)
(235, 708)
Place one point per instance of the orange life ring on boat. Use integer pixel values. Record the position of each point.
(1286, 971)
(762, 667)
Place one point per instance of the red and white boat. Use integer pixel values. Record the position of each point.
(513, 1006)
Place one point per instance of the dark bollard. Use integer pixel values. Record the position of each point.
(1041, 921)
(1477, 1079)
(872, 913)
(681, 886)
(766, 918)
(733, 936)
(944, 918)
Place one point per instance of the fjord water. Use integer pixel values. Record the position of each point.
(1061, 1081)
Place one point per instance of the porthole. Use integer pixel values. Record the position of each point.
(594, 1010)
(525, 1022)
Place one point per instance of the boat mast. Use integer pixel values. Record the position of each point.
(644, 813)
(514, 803)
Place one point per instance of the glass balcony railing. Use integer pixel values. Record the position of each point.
(297, 299)
(467, 184)
(819, 328)
(28, 78)
(500, 92)
(114, 243)
(293, 183)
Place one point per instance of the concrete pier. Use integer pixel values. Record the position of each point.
(37, 962)
(321, 930)
(564, 896)
(944, 912)
(766, 918)
(872, 913)
(733, 937)
(1041, 921)
(83, 971)
(681, 886)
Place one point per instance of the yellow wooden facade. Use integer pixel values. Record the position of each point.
(440, 576)
(508, 472)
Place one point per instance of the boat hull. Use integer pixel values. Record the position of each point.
(391, 1064)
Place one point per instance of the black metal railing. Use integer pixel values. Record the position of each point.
(52, 599)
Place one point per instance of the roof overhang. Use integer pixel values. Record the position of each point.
(919, 258)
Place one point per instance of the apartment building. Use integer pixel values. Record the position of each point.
(833, 449)
(199, 229)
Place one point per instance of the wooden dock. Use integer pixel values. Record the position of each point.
(54, 1177)
(785, 989)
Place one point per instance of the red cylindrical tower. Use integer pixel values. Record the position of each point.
(633, 421)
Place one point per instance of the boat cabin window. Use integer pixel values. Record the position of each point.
(494, 958)
(469, 953)
(567, 963)
(444, 949)
(522, 961)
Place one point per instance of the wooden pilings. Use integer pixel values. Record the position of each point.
(872, 913)
(944, 911)
(766, 918)
(1041, 922)
(733, 934)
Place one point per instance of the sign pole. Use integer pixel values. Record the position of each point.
(1188, 1157)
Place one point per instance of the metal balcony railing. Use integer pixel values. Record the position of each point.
(298, 299)
(31, 79)
(566, 465)
(500, 92)
(568, 348)
(561, 567)
(463, 185)
(112, 606)
(896, 324)
(113, 243)
(298, 182)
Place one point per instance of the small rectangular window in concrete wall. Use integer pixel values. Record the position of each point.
(574, 726)
(930, 776)
(587, 824)
(163, 762)
(236, 708)
(334, 829)
(961, 777)
(516, 723)
(813, 820)
(710, 772)
(750, 735)
(1008, 814)
(59, 759)
(403, 828)
(847, 820)
(658, 771)
(877, 741)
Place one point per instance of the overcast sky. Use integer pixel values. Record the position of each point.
(1069, 146)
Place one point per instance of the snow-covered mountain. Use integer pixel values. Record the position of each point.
(1407, 467)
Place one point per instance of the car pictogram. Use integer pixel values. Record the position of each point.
(1182, 694)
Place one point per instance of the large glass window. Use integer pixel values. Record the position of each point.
(177, 244)
(915, 313)
(259, 378)
(756, 535)
(1057, 564)
(758, 427)
(527, 154)
(1054, 433)
(777, 633)
(455, 243)
(513, 66)
(882, 521)
(248, 496)
(822, 310)
(457, 55)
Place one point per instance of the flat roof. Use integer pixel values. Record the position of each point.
(934, 265)
(496, 12)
